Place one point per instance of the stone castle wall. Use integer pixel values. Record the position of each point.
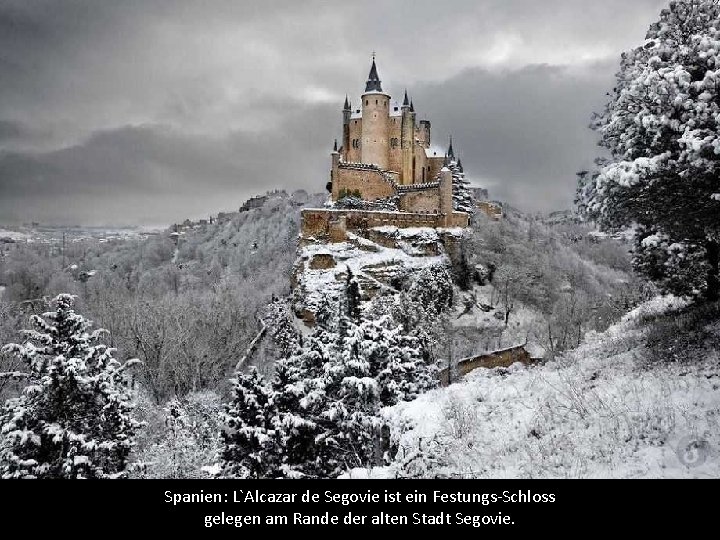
(330, 224)
(421, 200)
(371, 183)
(503, 358)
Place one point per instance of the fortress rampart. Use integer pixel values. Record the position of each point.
(332, 224)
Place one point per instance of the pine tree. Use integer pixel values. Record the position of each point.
(249, 436)
(300, 395)
(352, 296)
(278, 320)
(462, 196)
(662, 128)
(396, 359)
(73, 418)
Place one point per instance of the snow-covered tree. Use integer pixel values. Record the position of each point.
(329, 393)
(73, 419)
(462, 196)
(432, 289)
(183, 437)
(352, 296)
(662, 130)
(249, 436)
(278, 320)
(396, 359)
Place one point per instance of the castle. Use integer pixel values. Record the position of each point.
(386, 156)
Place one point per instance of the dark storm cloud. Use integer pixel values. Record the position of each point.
(522, 133)
(150, 111)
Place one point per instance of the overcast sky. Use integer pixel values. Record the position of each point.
(127, 112)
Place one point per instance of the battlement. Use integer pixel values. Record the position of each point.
(419, 187)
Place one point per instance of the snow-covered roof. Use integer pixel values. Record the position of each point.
(434, 151)
(356, 113)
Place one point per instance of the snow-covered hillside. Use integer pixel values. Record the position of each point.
(600, 411)
(381, 263)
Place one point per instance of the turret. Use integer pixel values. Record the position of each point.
(335, 157)
(347, 111)
(451, 152)
(408, 141)
(373, 83)
(424, 134)
(376, 122)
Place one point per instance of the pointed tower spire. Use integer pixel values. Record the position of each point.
(459, 165)
(451, 152)
(412, 107)
(346, 107)
(406, 101)
(373, 82)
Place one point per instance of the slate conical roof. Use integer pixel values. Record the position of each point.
(373, 82)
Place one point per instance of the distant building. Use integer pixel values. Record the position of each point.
(480, 194)
(254, 202)
(493, 210)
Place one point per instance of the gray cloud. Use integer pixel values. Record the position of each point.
(151, 111)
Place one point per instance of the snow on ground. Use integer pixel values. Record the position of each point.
(521, 325)
(366, 260)
(598, 412)
(17, 236)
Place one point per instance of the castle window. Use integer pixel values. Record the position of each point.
(395, 108)
(367, 102)
(394, 142)
(376, 102)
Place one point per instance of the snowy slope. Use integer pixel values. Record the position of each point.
(396, 254)
(598, 412)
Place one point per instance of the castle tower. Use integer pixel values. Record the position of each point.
(346, 129)
(407, 141)
(375, 121)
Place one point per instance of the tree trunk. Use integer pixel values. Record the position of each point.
(712, 248)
